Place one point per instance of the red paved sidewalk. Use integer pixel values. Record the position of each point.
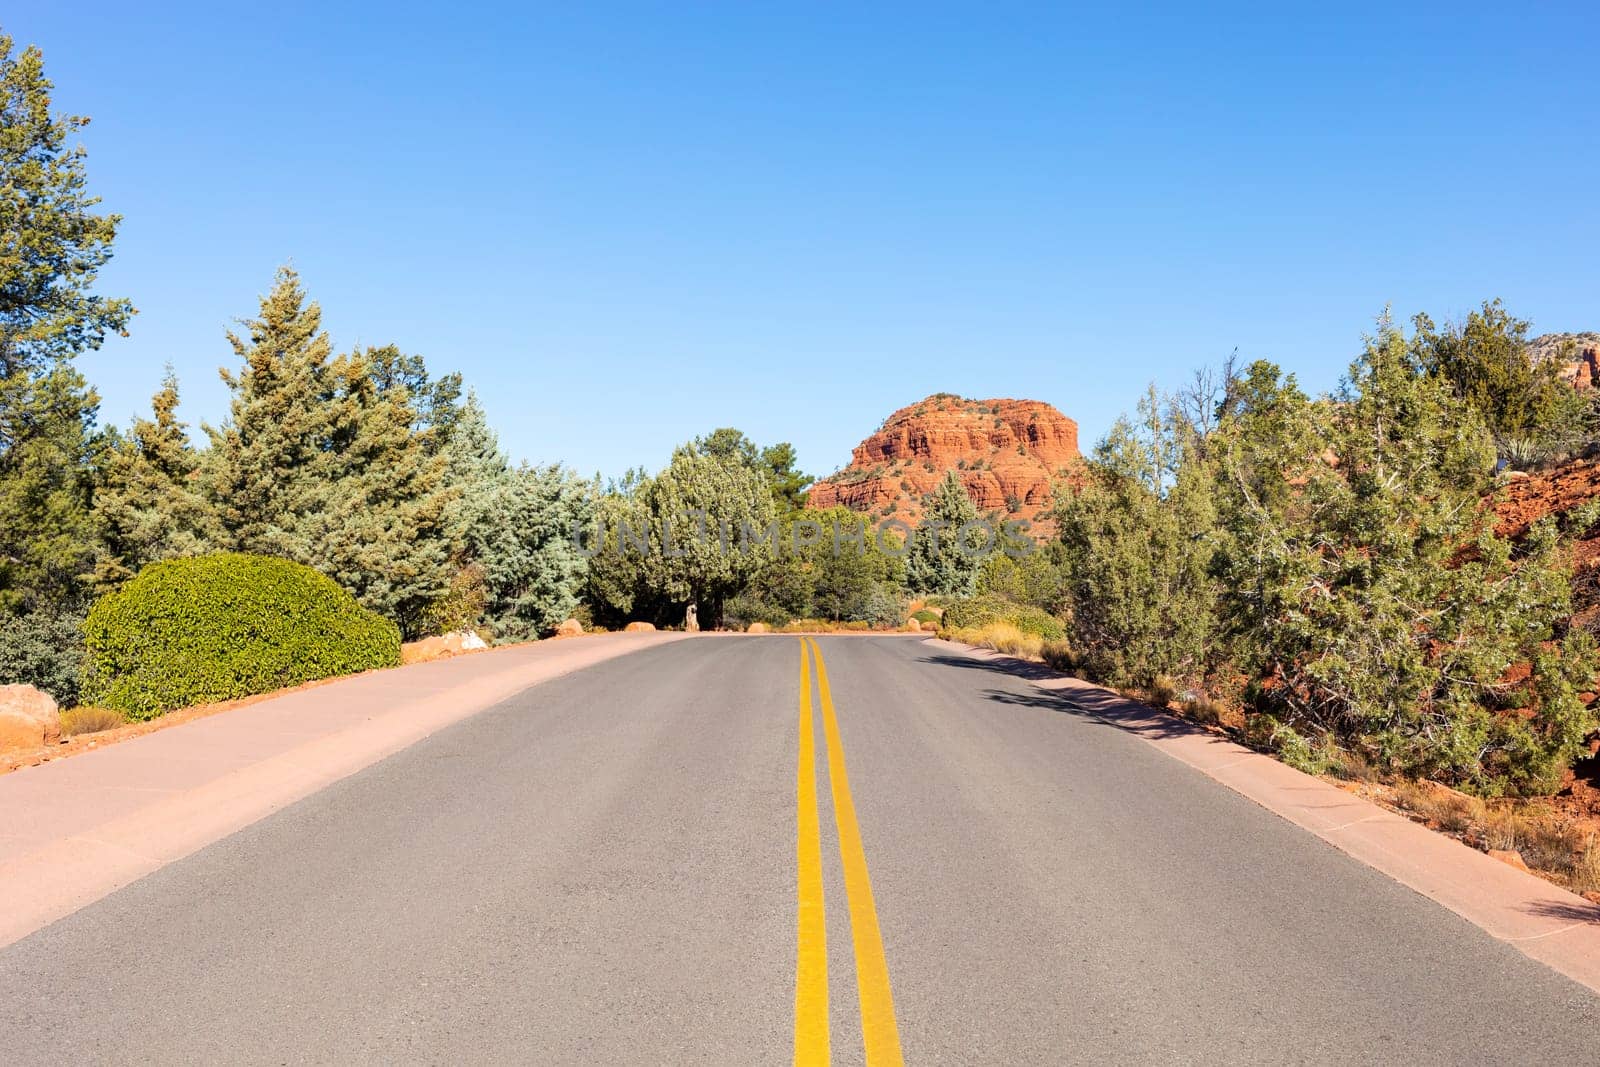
(73, 830)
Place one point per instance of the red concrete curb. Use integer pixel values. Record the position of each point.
(1542, 920)
(78, 829)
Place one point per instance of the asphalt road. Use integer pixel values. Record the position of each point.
(610, 868)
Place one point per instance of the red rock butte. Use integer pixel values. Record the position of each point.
(1009, 454)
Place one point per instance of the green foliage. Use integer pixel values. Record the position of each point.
(389, 541)
(776, 463)
(697, 505)
(977, 612)
(1034, 577)
(43, 648)
(706, 518)
(52, 246)
(322, 462)
(849, 577)
(941, 560)
(461, 606)
(47, 451)
(532, 568)
(148, 505)
(1488, 365)
(54, 243)
(218, 627)
(515, 529)
(1361, 576)
(1137, 554)
(838, 573)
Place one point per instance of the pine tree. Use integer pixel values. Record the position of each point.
(269, 468)
(322, 461)
(148, 502)
(1487, 363)
(531, 563)
(514, 529)
(477, 466)
(940, 560)
(52, 245)
(46, 485)
(386, 537)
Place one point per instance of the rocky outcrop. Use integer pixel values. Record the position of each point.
(639, 628)
(1577, 353)
(28, 718)
(569, 628)
(1009, 454)
(1528, 498)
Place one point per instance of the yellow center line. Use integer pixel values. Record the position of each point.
(811, 953)
(879, 1032)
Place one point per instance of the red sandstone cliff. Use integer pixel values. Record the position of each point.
(1009, 454)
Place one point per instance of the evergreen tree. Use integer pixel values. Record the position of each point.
(322, 462)
(269, 471)
(476, 465)
(849, 579)
(1137, 553)
(1487, 364)
(1371, 592)
(435, 401)
(940, 561)
(514, 528)
(52, 245)
(387, 537)
(775, 463)
(615, 587)
(789, 483)
(148, 502)
(532, 567)
(699, 508)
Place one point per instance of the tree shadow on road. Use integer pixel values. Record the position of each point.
(1571, 912)
(1082, 700)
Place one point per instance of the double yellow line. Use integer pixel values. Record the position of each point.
(811, 1035)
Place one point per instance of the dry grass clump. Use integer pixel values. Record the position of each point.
(1585, 876)
(89, 720)
(1058, 655)
(1455, 812)
(802, 626)
(1000, 636)
(1545, 841)
(1352, 766)
(1163, 691)
(1202, 709)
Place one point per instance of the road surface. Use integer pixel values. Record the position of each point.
(627, 865)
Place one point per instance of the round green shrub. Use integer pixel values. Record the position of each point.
(979, 611)
(192, 631)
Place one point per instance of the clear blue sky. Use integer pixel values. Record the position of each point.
(627, 225)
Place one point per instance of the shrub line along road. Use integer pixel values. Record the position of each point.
(634, 862)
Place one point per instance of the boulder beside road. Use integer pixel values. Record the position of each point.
(441, 646)
(28, 717)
